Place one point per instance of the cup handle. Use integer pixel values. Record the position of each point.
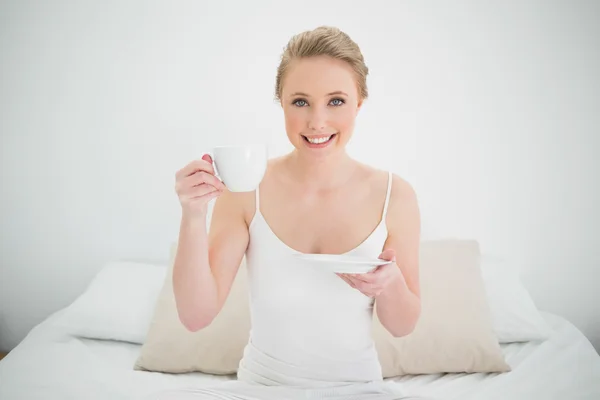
(214, 164)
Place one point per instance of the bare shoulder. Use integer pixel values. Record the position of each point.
(402, 191)
(403, 213)
(378, 178)
(403, 209)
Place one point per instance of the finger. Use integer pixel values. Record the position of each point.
(346, 279)
(209, 196)
(366, 287)
(388, 255)
(194, 166)
(200, 191)
(367, 278)
(201, 177)
(388, 273)
(372, 292)
(189, 188)
(382, 271)
(354, 283)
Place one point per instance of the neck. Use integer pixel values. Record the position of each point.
(321, 173)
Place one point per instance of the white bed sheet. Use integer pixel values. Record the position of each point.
(50, 365)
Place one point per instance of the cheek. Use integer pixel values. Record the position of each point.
(344, 118)
(295, 120)
(343, 121)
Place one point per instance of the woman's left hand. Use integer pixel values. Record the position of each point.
(372, 284)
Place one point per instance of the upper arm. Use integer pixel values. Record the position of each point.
(404, 231)
(228, 240)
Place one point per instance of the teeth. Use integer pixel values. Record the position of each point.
(319, 140)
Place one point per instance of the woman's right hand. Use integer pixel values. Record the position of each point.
(196, 184)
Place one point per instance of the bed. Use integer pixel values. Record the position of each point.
(51, 363)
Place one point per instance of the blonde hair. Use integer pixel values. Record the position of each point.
(323, 41)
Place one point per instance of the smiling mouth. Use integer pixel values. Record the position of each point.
(319, 140)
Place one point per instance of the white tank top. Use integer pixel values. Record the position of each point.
(308, 325)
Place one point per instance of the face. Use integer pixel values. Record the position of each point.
(320, 102)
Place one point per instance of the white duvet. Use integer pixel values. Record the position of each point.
(50, 365)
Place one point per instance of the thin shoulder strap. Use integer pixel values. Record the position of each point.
(387, 196)
(257, 200)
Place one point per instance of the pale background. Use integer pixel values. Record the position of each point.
(491, 111)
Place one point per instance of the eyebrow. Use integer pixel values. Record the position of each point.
(328, 94)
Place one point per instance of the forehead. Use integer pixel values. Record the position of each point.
(317, 76)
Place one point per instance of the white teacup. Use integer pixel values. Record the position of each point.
(241, 168)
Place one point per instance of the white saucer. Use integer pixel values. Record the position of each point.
(344, 264)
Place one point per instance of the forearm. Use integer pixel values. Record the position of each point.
(398, 308)
(194, 285)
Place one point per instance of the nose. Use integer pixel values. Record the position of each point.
(317, 120)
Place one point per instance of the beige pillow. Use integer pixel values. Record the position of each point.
(217, 349)
(454, 333)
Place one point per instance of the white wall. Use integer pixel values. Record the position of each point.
(491, 111)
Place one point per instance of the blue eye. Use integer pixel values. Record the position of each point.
(334, 102)
(295, 102)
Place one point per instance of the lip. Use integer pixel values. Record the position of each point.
(318, 145)
(319, 136)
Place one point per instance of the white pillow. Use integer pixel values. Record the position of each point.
(515, 317)
(118, 304)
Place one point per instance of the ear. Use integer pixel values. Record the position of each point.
(359, 105)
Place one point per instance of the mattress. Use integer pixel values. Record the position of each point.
(50, 365)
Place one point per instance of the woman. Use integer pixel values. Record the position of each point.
(310, 329)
